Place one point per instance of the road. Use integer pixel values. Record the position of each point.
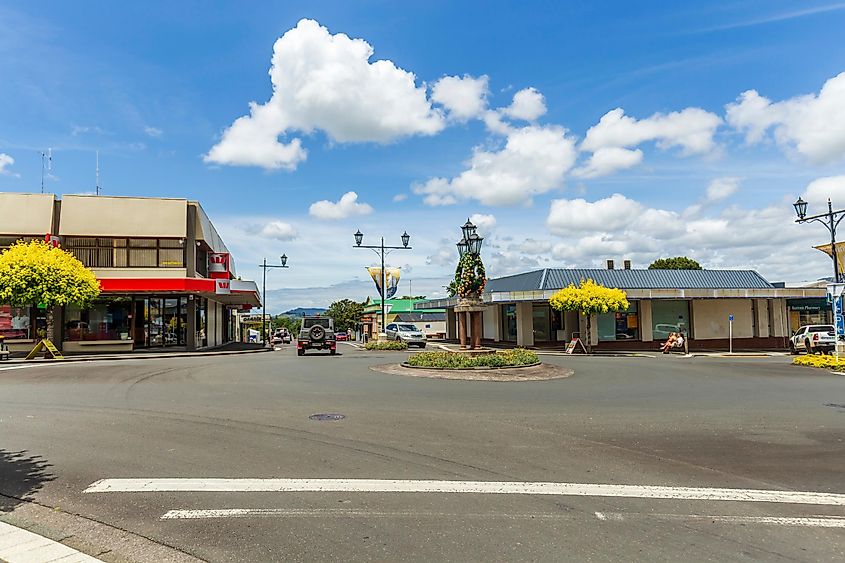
(444, 461)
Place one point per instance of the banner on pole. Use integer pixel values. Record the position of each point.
(392, 275)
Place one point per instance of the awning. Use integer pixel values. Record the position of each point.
(241, 292)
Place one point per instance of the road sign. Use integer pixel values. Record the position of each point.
(730, 318)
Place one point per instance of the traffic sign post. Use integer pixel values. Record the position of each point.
(730, 334)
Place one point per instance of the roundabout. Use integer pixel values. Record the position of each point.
(535, 372)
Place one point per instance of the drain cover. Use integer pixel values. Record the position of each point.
(327, 416)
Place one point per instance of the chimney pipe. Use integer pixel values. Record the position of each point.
(610, 264)
(627, 264)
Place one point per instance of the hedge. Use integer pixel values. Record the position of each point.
(504, 358)
(386, 345)
(825, 362)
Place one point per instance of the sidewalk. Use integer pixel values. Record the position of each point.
(231, 349)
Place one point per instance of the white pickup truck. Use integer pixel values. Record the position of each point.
(813, 339)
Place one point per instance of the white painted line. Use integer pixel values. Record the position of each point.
(475, 487)
(345, 513)
(803, 521)
(20, 546)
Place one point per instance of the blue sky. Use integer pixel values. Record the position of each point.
(682, 164)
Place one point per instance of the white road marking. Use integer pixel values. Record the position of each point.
(20, 546)
(474, 487)
(802, 521)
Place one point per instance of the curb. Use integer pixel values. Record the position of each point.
(477, 368)
(103, 358)
(21, 545)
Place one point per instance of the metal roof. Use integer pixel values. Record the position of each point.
(556, 278)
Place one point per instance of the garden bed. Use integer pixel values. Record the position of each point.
(824, 362)
(397, 345)
(516, 358)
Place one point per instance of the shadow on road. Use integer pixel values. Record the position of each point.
(21, 476)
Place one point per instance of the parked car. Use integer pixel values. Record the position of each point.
(813, 339)
(316, 333)
(341, 336)
(280, 336)
(407, 333)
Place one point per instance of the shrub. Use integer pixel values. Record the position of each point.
(825, 362)
(454, 360)
(386, 345)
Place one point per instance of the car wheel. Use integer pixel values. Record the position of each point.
(300, 352)
(792, 349)
(807, 348)
(422, 345)
(333, 352)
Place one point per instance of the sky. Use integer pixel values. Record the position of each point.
(569, 132)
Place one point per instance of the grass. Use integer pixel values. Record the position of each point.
(386, 345)
(823, 361)
(454, 360)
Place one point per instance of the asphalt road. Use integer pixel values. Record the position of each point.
(755, 423)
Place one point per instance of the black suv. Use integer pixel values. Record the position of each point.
(316, 333)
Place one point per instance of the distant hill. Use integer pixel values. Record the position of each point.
(304, 311)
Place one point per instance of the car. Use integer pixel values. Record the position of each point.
(341, 336)
(813, 339)
(316, 333)
(407, 333)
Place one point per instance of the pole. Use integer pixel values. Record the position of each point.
(264, 303)
(383, 283)
(731, 334)
(833, 241)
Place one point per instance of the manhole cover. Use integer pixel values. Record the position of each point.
(327, 416)
(835, 405)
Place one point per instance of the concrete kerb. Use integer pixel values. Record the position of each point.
(482, 368)
(130, 356)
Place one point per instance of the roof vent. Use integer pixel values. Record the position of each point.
(610, 264)
(627, 264)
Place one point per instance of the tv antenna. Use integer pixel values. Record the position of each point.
(46, 165)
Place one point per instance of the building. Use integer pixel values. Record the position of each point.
(167, 278)
(697, 302)
(432, 321)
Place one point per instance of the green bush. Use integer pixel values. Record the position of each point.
(386, 345)
(503, 358)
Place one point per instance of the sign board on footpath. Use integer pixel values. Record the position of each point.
(574, 344)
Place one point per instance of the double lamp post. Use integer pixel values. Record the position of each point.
(265, 266)
(830, 220)
(379, 250)
(470, 306)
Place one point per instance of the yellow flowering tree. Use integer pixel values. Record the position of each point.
(589, 298)
(36, 273)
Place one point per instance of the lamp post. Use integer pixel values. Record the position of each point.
(830, 220)
(265, 266)
(469, 245)
(379, 250)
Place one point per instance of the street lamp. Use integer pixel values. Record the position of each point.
(469, 246)
(265, 266)
(462, 247)
(830, 220)
(379, 250)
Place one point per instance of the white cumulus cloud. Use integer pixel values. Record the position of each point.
(326, 82)
(818, 191)
(464, 97)
(528, 104)
(692, 129)
(278, 230)
(346, 206)
(813, 124)
(608, 160)
(154, 132)
(485, 223)
(533, 161)
(5, 162)
(721, 188)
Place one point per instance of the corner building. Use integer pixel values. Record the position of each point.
(167, 278)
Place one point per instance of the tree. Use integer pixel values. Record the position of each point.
(676, 263)
(589, 298)
(36, 273)
(414, 297)
(470, 277)
(285, 321)
(346, 314)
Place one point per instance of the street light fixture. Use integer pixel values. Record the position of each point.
(474, 244)
(462, 247)
(379, 250)
(265, 266)
(830, 220)
(468, 229)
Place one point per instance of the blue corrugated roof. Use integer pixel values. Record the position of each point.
(556, 278)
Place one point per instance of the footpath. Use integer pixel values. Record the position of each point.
(233, 348)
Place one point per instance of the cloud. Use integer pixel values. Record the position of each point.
(485, 223)
(818, 191)
(277, 230)
(463, 97)
(83, 129)
(400, 197)
(813, 125)
(154, 132)
(528, 104)
(533, 161)
(5, 162)
(347, 206)
(692, 129)
(721, 188)
(531, 246)
(326, 82)
(608, 160)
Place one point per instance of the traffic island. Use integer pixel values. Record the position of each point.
(537, 372)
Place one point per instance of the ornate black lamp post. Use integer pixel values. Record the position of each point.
(830, 220)
(379, 250)
(469, 304)
(265, 266)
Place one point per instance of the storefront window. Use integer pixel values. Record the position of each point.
(202, 337)
(623, 325)
(542, 323)
(668, 316)
(16, 322)
(509, 323)
(100, 321)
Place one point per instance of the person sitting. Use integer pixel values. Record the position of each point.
(670, 342)
(679, 341)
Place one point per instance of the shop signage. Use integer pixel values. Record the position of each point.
(251, 318)
(218, 264)
(52, 240)
(574, 344)
(222, 287)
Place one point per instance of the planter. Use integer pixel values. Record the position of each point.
(478, 368)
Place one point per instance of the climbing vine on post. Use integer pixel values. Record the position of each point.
(589, 298)
(470, 277)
